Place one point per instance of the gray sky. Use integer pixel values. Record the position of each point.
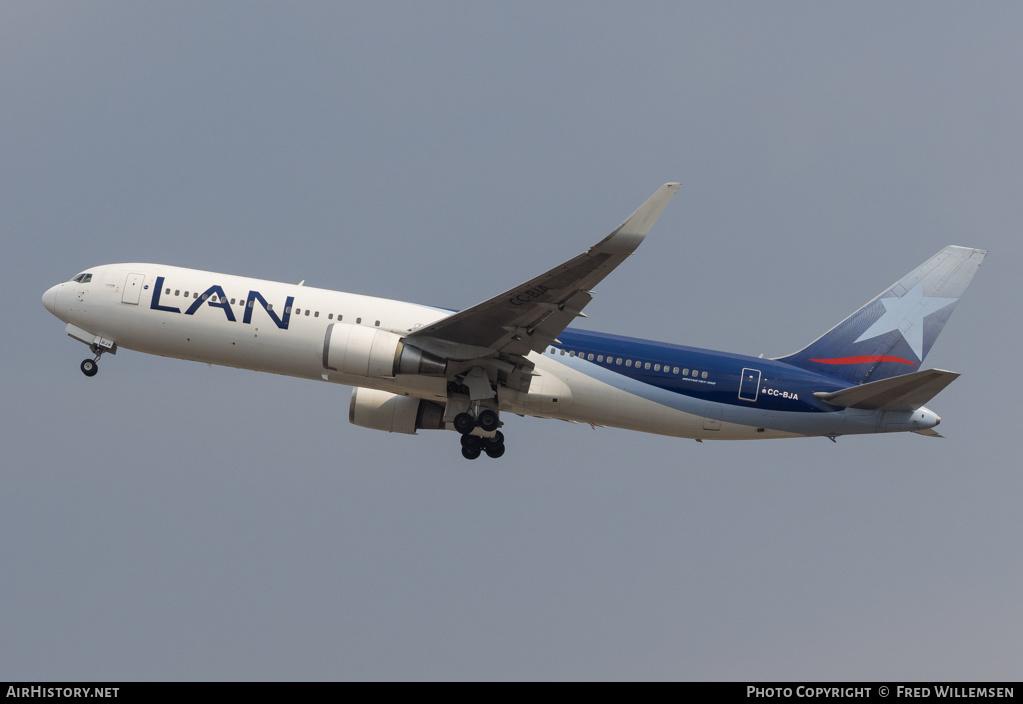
(167, 521)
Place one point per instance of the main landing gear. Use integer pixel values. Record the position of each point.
(475, 445)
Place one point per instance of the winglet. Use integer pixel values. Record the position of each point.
(630, 233)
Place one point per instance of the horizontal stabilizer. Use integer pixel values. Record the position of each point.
(900, 393)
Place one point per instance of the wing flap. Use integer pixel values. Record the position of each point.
(900, 393)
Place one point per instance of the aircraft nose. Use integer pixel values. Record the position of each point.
(50, 299)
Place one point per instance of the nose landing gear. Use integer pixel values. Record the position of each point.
(90, 367)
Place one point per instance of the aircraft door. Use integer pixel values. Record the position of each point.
(749, 384)
(132, 289)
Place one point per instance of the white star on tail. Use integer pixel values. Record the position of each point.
(907, 315)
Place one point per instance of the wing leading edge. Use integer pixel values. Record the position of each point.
(530, 316)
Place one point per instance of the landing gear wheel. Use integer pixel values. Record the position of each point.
(494, 447)
(464, 423)
(487, 420)
(89, 367)
(472, 441)
(471, 453)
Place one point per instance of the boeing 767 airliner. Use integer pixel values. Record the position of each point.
(415, 367)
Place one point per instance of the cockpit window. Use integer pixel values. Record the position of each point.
(83, 278)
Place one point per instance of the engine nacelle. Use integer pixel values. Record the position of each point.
(371, 352)
(381, 410)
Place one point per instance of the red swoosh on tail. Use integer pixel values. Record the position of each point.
(865, 360)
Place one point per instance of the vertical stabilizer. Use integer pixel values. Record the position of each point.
(892, 334)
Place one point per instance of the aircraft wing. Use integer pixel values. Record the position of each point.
(899, 393)
(530, 316)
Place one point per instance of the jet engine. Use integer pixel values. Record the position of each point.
(381, 410)
(372, 352)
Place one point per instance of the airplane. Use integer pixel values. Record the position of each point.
(416, 367)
